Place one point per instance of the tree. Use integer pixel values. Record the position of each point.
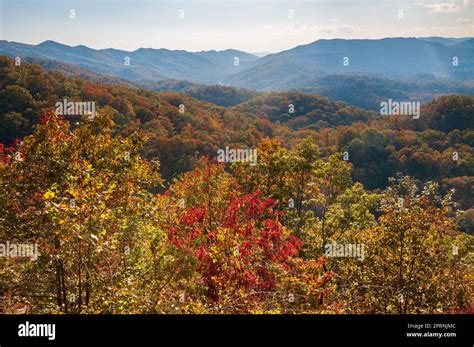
(230, 251)
(416, 261)
(81, 195)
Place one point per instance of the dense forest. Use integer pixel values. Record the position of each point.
(438, 146)
(132, 213)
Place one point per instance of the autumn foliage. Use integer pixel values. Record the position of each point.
(131, 213)
(219, 239)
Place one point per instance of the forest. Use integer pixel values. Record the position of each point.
(131, 211)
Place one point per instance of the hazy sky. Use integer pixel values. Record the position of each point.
(250, 25)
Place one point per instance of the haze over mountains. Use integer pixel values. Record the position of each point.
(397, 57)
(145, 64)
(360, 72)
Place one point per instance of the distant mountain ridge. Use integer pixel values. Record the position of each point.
(390, 57)
(393, 57)
(359, 72)
(447, 41)
(144, 64)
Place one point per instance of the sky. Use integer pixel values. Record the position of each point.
(248, 25)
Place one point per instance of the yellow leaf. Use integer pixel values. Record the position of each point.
(49, 194)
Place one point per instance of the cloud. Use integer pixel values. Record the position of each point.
(445, 7)
(463, 20)
(333, 30)
(295, 26)
(290, 27)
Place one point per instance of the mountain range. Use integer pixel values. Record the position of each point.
(392, 57)
(399, 57)
(144, 64)
(360, 72)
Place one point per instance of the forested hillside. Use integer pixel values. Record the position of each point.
(378, 147)
(368, 91)
(178, 135)
(132, 212)
(252, 239)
